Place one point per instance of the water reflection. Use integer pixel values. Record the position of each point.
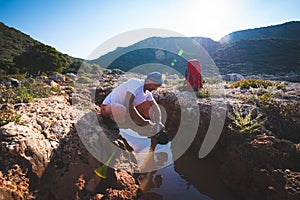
(149, 153)
(165, 181)
(203, 174)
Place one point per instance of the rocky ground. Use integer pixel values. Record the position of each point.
(43, 156)
(263, 164)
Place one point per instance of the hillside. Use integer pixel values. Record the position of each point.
(289, 31)
(261, 56)
(156, 51)
(19, 53)
(269, 50)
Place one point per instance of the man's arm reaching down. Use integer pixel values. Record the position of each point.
(134, 114)
(155, 112)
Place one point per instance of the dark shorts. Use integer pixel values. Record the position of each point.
(108, 125)
(112, 131)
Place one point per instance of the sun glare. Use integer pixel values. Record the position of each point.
(207, 18)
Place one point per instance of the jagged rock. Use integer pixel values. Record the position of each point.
(249, 168)
(42, 78)
(127, 188)
(52, 83)
(232, 77)
(30, 145)
(42, 122)
(15, 184)
(6, 107)
(97, 197)
(72, 76)
(58, 78)
(13, 82)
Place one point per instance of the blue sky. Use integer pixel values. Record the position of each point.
(77, 27)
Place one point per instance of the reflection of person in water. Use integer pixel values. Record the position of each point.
(150, 165)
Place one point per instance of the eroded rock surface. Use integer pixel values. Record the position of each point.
(54, 161)
(57, 164)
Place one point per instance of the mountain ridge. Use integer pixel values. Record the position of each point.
(261, 53)
(250, 51)
(20, 53)
(268, 32)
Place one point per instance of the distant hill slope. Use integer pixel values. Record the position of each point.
(273, 49)
(270, 50)
(289, 31)
(268, 56)
(156, 51)
(19, 53)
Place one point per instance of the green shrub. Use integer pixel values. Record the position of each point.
(176, 84)
(164, 91)
(24, 96)
(37, 88)
(202, 93)
(256, 83)
(69, 88)
(244, 123)
(84, 80)
(107, 71)
(117, 71)
(266, 96)
(211, 80)
(7, 116)
(20, 77)
(55, 89)
(30, 89)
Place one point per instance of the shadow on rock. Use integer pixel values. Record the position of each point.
(74, 161)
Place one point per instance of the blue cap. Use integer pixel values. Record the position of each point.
(155, 77)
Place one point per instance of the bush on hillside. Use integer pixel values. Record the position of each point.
(7, 116)
(202, 93)
(29, 89)
(40, 58)
(244, 121)
(256, 83)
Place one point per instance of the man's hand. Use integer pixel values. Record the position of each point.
(161, 124)
(157, 128)
(150, 124)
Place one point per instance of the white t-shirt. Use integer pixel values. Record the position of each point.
(134, 86)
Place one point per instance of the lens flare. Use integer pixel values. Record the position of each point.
(159, 54)
(180, 52)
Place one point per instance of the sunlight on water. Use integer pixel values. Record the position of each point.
(141, 146)
(164, 181)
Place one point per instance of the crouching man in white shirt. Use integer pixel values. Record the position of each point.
(130, 105)
(132, 102)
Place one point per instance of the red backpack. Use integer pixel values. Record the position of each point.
(193, 75)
